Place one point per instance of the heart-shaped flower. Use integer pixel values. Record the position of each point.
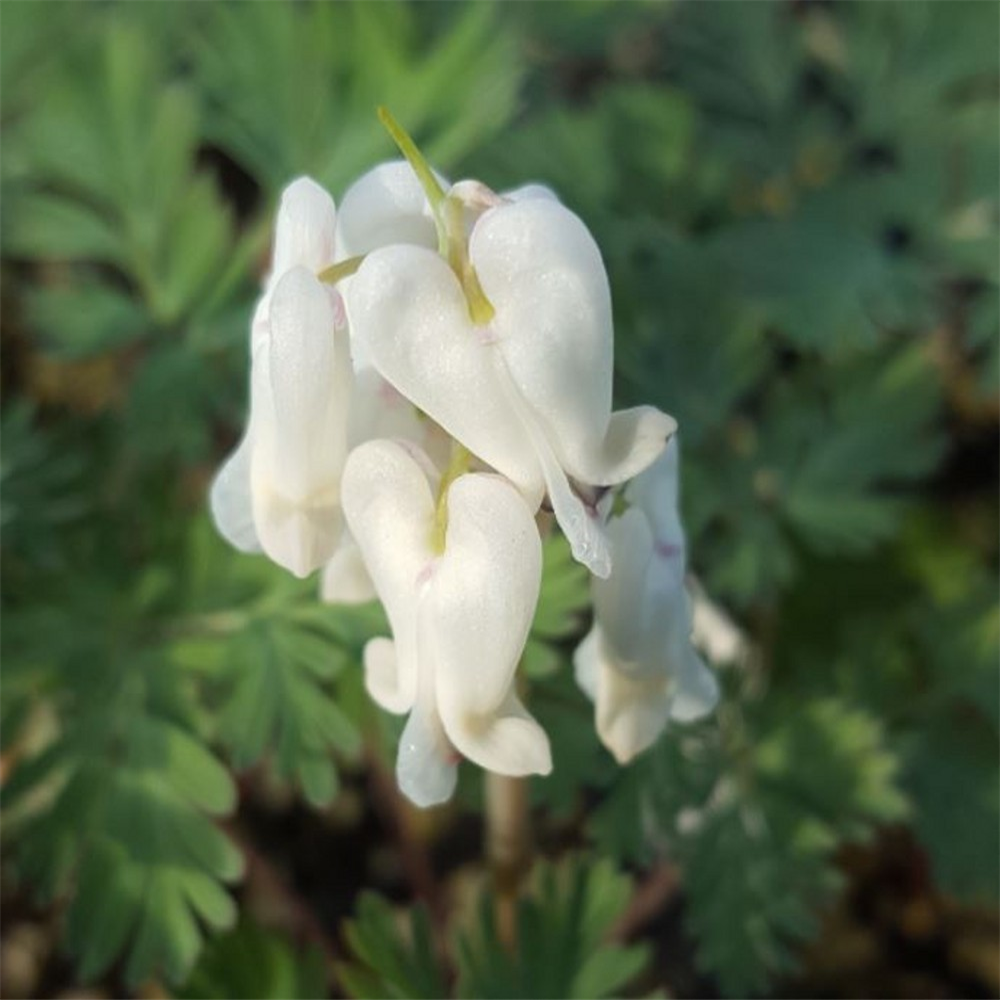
(280, 490)
(637, 663)
(529, 391)
(460, 603)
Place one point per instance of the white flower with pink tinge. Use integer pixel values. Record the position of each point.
(460, 597)
(638, 664)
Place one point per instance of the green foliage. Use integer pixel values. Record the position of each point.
(256, 964)
(560, 949)
(754, 810)
(349, 58)
(390, 959)
(117, 806)
(269, 655)
(562, 920)
(797, 206)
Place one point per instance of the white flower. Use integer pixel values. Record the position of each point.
(529, 391)
(460, 603)
(280, 490)
(638, 663)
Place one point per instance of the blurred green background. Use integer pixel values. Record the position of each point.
(798, 207)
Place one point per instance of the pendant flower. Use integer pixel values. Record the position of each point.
(279, 492)
(459, 577)
(526, 385)
(637, 663)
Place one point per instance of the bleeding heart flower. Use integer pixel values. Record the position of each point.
(280, 490)
(529, 389)
(638, 663)
(459, 577)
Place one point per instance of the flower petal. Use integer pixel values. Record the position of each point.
(345, 578)
(481, 601)
(385, 206)
(389, 508)
(426, 768)
(631, 714)
(409, 312)
(300, 393)
(583, 526)
(304, 233)
(543, 273)
(586, 662)
(383, 680)
(696, 691)
(231, 502)
(655, 493)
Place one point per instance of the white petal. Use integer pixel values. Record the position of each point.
(231, 502)
(582, 525)
(586, 662)
(696, 692)
(304, 234)
(543, 273)
(620, 602)
(385, 206)
(299, 397)
(481, 602)
(507, 740)
(345, 578)
(426, 767)
(714, 632)
(631, 714)
(389, 508)
(655, 493)
(380, 411)
(527, 192)
(383, 680)
(407, 307)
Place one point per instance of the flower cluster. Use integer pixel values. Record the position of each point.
(431, 371)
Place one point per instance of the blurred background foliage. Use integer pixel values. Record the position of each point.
(797, 205)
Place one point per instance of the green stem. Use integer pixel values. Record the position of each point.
(342, 269)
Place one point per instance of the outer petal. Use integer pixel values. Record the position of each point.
(426, 767)
(543, 272)
(345, 578)
(407, 309)
(389, 508)
(385, 206)
(231, 502)
(631, 713)
(620, 602)
(696, 692)
(481, 602)
(587, 662)
(299, 399)
(714, 632)
(655, 493)
(304, 234)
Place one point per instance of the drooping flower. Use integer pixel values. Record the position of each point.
(526, 385)
(638, 663)
(459, 577)
(279, 492)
